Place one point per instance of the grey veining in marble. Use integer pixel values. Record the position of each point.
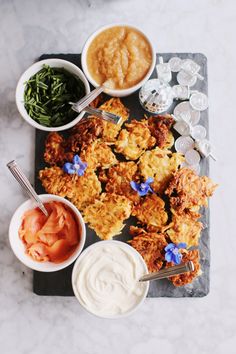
(31, 324)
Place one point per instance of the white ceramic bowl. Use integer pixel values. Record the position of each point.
(123, 92)
(131, 250)
(18, 246)
(33, 69)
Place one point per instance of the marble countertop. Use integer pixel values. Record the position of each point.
(32, 324)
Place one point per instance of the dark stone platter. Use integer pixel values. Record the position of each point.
(59, 283)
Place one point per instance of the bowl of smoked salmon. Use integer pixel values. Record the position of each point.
(47, 243)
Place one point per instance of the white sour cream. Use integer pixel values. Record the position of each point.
(105, 279)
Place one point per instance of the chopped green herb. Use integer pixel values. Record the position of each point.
(48, 93)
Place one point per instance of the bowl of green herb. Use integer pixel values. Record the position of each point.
(44, 93)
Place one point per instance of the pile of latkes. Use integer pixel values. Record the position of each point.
(117, 155)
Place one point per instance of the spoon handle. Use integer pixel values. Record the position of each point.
(169, 272)
(86, 100)
(25, 184)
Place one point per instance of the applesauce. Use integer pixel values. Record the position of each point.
(119, 56)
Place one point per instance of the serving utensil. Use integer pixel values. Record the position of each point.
(169, 272)
(110, 117)
(25, 184)
(86, 100)
(83, 105)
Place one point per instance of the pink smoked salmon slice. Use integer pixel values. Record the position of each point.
(31, 225)
(57, 253)
(53, 238)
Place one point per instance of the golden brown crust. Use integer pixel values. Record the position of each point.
(159, 164)
(185, 228)
(92, 139)
(188, 191)
(80, 190)
(107, 214)
(150, 246)
(151, 211)
(110, 130)
(188, 277)
(84, 133)
(55, 150)
(98, 155)
(55, 181)
(118, 180)
(159, 127)
(134, 140)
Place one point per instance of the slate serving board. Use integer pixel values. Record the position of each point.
(59, 283)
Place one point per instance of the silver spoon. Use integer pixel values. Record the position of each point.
(25, 184)
(86, 100)
(169, 272)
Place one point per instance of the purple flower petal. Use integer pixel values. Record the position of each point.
(150, 190)
(168, 256)
(142, 193)
(182, 245)
(77, 166)
(169, 247)
(76, 159)
(142, 188)
(134, 186)
(84, 165)
(68, 168)
(149, 180)
(80, 172)
(177, 258)
(175, 250)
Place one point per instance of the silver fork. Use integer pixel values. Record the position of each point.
(169, 272)
(25, 184)
(103, 114)
(83, 105)
(86, 100)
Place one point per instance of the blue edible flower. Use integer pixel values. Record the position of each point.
(142, 188)
(77, 166)
(172, 252)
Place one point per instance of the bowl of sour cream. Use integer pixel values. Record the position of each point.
(105, 279)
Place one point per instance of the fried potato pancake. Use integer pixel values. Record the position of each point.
(98, 155)
(169, 141)
(118, 180)
(55, 181)
(188, 191)
(134, 140)
(160, 165)
(107, 214)
(160, 128)
(188, 277)
(55, 150)
(151, 211)
(84, 133)
(111, 130)
(150, 246)
(184, 228)
(80, 190)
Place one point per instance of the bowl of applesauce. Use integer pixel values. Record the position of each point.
(120, 57)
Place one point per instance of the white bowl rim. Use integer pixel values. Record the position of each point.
(38, 266)
(85, 67)
(137, 254)
(36, 67)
